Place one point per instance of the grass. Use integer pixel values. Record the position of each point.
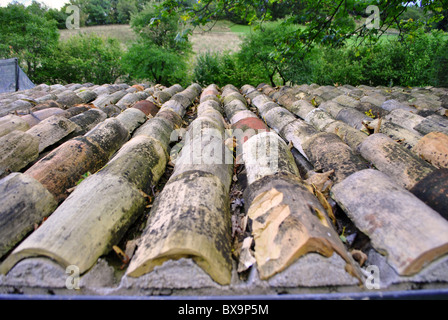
(244, 29)
(215, 42)
(123, 33)
(220, 38)
(237, 28)
(215, 37)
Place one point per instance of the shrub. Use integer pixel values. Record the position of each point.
(416, 59)
(26, 34)
(220, 69)
(260, 56)
(335, 65)
(146, 61)
(161, 51)
(85, 58)
(406, 62)
(440, 66)
(207, 69)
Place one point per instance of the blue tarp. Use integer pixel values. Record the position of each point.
(12, 77)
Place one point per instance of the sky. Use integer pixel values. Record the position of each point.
(50, 3)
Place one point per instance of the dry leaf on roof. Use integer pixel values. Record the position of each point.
(321, 181)
(123, 256)
(359, 256)
(170, 164)
(70, 190)
(323, 201)
(145, 195)
(246, 259)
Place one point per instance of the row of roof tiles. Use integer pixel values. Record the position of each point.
(305, 157)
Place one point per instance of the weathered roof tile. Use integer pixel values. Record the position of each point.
(336, 135)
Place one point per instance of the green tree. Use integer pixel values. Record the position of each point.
(221, 69)
(440, 65)
(259, 55)
(25, 33)
(83, 14)
(162, 48)
(99, 12)
(59, 16)
(85, 58)
(125, 9)
(326, 20)
(414, 13)
(146, 61)
(417, 59)
(163, 30)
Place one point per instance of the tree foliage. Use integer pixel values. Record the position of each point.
(145, 61)
(417, 59)
(26, 34)
(325, 20)
(160, 29)
(320, 41)
(125, 10)
(85, 58)
(161, 51)
(259, 52)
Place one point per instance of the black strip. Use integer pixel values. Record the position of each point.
(16, 62)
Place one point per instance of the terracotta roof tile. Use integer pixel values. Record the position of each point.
(223, 190)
